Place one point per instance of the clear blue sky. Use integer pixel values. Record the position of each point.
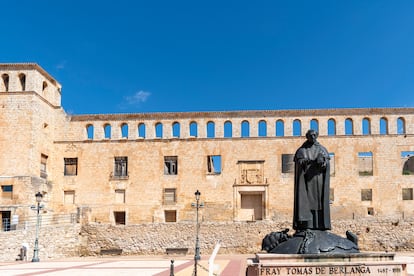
(155, 56)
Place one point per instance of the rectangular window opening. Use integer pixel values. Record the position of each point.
(7, 191)
(69, 197)
(366, 195)
(214, 164)
(170, 165)
(332, 163)
(407, 193)
(119, 196)
(331, 195)
(370, 211)
(121, 167)
(170, 215)
(288, 165)
(43, 166)
(407, 160)
(365, 163)
(71, 166)
(170, 196)
(119, 218)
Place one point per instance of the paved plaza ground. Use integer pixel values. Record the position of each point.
(225, 265)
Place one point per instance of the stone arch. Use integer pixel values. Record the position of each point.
(124, 130)
(176, 129)
(211, 129)
(401, 126)
(228, 129)
(44, 86)
(22, 79)
(5, 82)
(262, 128)
(366, 126)
(141, 130)
(297, 127)
(245, 128)
(107, 131)
(331, 127)
(89, 131)
(280, 128)
(158, 130)
(349, 126)
(193, 129)
(314, 124)
(384, 126)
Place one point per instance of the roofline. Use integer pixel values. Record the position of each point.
(30, 65)
(246, 114)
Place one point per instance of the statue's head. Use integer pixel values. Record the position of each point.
(311, 135)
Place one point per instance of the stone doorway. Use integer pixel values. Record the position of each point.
(252, 205)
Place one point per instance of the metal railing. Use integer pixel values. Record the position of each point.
(45, 220)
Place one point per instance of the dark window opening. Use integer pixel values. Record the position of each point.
(5, 219)
(288, 165)
(119, 218)
(170, 215)
(5, 78)
(44, 86)
(407, 193)
(22, 78)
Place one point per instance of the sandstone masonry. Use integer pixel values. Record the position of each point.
(138, 172)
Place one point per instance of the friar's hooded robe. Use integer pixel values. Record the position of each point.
(311, 194)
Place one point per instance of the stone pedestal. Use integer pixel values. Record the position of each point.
(325, 264)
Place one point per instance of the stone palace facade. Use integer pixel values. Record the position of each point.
(145, 167)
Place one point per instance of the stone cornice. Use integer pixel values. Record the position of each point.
(246, 114)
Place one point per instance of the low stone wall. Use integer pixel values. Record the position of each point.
(68, 240)
(236, 237)
(55, 241)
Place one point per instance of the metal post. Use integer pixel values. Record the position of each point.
(197, 245)
(172, 268)
(36, 245)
